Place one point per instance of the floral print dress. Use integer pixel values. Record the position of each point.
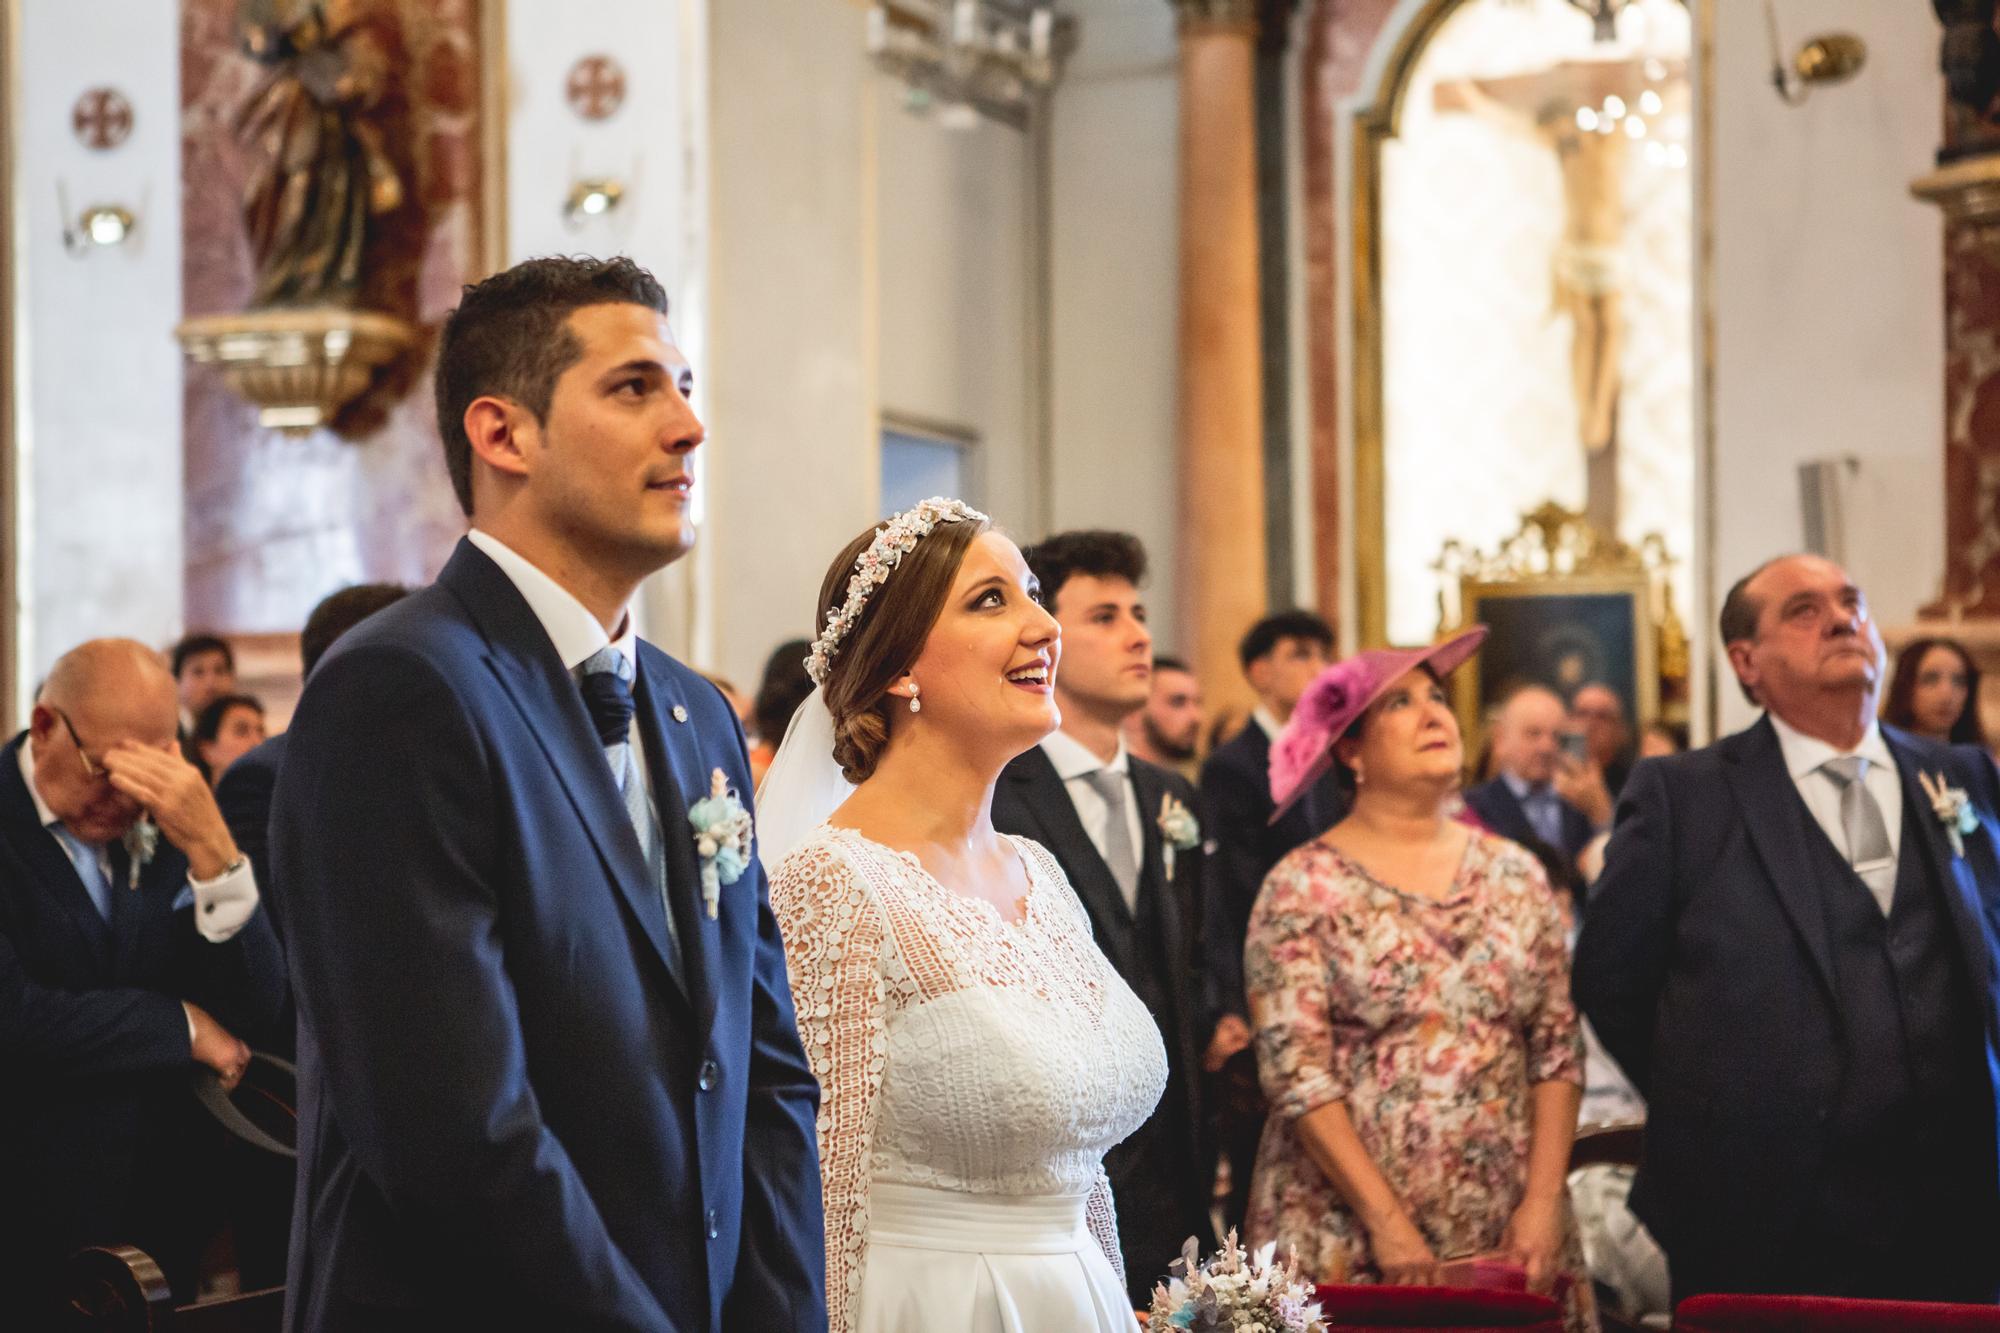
(1430, 1019)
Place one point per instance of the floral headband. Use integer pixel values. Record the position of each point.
(896, 539)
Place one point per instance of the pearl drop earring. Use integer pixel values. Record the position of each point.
(915, 705)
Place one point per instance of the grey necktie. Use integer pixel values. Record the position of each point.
(1867, 832)
(610, 704)
(1118, 850)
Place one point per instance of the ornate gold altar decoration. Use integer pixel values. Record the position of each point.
(1555, 552)
(322, 180)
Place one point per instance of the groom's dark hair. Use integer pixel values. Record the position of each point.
(510, 338)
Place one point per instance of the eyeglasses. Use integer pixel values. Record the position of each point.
(93, 767)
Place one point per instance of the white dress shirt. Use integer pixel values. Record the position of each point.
(222, 905)
(1268, 720)
(1074, 764)
(1803, 757)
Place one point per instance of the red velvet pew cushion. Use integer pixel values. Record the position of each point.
(1448, 1308)
(1824, 1314)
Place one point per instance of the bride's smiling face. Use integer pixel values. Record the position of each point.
(987, 670)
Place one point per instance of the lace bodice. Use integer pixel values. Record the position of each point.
(955, 1049)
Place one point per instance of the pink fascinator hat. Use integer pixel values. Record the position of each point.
(1338, 697)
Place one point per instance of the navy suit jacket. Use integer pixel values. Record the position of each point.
(1705, 967)
(517, 1109)
(1495, 804)
(1236, 788)
(244, 795)
(93, 1037)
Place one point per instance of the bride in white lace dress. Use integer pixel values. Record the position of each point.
(976, 1053)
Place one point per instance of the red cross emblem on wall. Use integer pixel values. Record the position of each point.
(596, 87)
(102, 119)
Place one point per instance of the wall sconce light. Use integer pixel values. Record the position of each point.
(1828, 59)
(100, 226)
(591, 198)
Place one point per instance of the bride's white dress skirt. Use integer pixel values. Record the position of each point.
(943, 1259)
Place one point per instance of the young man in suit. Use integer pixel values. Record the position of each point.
(544, 1080)
(1106, 817)
(1281, 654)
(122, 969)
(244, 793)
(1791, 953)
(1526, 799)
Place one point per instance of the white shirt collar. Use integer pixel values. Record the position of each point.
(574, 631)
(1073, 759)
(27, 761)
(1268, 720)
(1521, 787)
(1804, 754)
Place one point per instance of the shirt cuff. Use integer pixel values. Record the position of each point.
(223, 905)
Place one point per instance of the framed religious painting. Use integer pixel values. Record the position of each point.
(1563, 631)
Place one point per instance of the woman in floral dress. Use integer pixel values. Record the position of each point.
(1409, 988)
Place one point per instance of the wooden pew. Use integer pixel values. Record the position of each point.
(119, 1289)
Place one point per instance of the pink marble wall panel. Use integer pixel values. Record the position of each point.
(1972, 417)
(275, 522)
(1339, 36)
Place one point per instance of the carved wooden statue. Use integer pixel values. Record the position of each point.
(321, 173)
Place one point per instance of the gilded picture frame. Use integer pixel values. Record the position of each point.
(1562, 631)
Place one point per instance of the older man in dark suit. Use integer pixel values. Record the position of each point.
(1791, 952)
(126, 963)
(1137, 866)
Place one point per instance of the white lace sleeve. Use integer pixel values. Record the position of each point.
(1101, 1215)
(833, 935)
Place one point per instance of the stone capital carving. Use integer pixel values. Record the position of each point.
(1217, 15)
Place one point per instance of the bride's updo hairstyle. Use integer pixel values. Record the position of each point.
(887, 638)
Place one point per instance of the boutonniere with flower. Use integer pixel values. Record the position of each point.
(141, 841)
(1179, 827)
(1236, 1292)
(722, 833)
(1953, 809)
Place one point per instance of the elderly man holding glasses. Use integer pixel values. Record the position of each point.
(132, 953)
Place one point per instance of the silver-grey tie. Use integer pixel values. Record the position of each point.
(1119, 854)
(1868, 849)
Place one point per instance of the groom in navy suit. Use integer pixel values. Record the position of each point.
(1792, 955)
(543, 1084)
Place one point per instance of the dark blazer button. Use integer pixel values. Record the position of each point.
(709, 1075)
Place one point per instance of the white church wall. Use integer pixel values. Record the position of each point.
(1829, 303)
(790, 385)
(1115, 260)
(953, 254)
(99, 413)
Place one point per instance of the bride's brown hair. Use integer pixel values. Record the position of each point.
(887, 638)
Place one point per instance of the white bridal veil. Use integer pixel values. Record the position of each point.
(803, 785)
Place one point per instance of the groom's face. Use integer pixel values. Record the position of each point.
(612, 472)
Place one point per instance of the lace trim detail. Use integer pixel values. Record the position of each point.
(870, 935)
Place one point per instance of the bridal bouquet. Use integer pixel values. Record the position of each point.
(1235, 1292)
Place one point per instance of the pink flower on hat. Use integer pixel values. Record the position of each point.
(1304, 740)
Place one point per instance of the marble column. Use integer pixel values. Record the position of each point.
(1223, 572)
(1966, 187)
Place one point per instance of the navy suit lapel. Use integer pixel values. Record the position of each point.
(1957, 875)
(47, 861)
(525, 663)
(673, 752)
(1774, 815)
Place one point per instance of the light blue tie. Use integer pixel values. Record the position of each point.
(89, 862)
(615, 699)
